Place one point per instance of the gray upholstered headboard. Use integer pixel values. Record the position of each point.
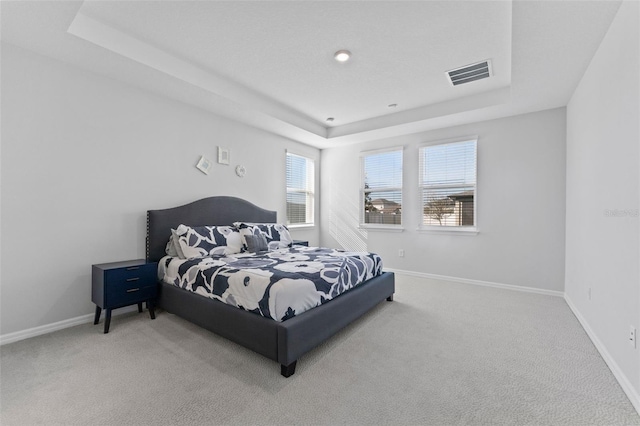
(208, 211)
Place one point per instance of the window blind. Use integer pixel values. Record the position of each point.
(300, 189)
(381, 189)
(448, 184)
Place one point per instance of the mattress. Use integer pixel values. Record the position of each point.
(279, 284)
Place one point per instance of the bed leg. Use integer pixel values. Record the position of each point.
(390, 298)
(288, 370)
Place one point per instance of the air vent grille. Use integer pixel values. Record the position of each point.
(470, 73)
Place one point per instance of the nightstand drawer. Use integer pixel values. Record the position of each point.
(145, 273)
(124, 294)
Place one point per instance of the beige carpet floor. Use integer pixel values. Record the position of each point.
(442, 353)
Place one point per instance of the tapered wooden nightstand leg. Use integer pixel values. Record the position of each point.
(140, 307)
(152, 311)
(96, 319)
(107, 321)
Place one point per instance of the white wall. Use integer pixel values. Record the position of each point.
(84, 157)
(602, 174)
(521, 205)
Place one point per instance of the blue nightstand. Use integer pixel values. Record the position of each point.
(118, 284)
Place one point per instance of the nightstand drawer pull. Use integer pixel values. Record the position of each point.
(131, 290)
(133, 268)
(133, 279)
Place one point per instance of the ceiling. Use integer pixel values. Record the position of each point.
(270, 64)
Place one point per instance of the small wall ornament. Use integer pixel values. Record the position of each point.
(223, 155)
(204, 165)
(241, 170)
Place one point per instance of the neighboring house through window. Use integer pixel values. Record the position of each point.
(448, 184)
(300, 190)
(381, 188)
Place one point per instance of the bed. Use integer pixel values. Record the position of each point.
(283, 341)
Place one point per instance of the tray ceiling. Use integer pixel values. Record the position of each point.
(270, 64)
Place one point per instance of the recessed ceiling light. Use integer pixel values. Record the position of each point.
(342, 55)
(392, 105)
(330, 119)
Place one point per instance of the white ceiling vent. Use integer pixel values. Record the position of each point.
(470, 73)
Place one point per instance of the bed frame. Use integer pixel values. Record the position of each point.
(283, 342)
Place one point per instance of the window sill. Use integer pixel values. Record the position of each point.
(382, 228)
(462, 230)
(301, 226)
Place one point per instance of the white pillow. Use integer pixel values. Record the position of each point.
(173, 248)
(201, 241)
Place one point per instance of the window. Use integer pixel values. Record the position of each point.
(300, 186)
(381, 188)
(448, 184)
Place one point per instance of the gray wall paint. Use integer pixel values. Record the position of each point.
(603, 252)
(84, 157)
(521, 205)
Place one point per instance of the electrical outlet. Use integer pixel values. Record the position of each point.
(401, 253)
(632, 336)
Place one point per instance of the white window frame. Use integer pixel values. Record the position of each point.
(374, 226)
(310, 204)
(460, 230)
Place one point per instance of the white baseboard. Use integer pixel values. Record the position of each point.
(622, 379)
(83, 319)
(50, 328)
(478, 282)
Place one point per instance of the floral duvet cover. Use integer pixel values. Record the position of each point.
(279, 284)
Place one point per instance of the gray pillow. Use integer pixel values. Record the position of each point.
(256, 243)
